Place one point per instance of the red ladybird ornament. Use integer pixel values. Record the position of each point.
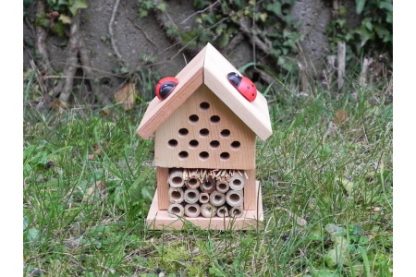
(165, 86)
(244, 85)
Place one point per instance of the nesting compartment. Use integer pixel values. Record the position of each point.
(206, 192)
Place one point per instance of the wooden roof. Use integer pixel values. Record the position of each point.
(208, 67)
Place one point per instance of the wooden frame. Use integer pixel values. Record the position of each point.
(160, 219)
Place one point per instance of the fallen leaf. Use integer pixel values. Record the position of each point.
(126, 96)
(347, 185)
(105, 111)
(341, 116)
(339, 255)
(58, 105)
(95, 192)
(65, 19)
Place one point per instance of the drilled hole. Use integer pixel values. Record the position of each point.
(215, 119)
(176, 194)
(194, 118)
(173, 142)
(225, 133)
(225, 155)
(214, 143)
(204, 155)
(237, 182)
(235, 144)
(193, 143)
(204, 105)
(183, 131)
(235, 197)
(183, 154)
(204, 132)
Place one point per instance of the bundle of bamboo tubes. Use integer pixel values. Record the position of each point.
(206, 192)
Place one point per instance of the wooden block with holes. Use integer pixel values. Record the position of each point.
(205, 149)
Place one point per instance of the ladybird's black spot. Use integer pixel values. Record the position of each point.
(234, 78)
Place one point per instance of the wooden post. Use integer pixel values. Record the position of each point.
(250, 192)
(162, 175)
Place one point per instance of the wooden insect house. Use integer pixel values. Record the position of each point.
(205, 149)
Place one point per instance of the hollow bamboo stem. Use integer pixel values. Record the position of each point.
(222, 211)
(236, 211)
(191, 196)
(176, 210)
(192, 210)
(176, 195)
(203, 198)
(237, 182)
(207, 210)
(175, 178)
(209, 185)
(222, 186)
(217, 198)
(234, 198)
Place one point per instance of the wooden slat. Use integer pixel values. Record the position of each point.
(254, 114)
(250, 192)
(162, 175)
(190, 78)
(161, 220)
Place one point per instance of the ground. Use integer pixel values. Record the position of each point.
(327, 184)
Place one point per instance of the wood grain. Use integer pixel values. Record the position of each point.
(209, 67)
(254, 114)
(241, 157)
(250, 192)
(162, 175)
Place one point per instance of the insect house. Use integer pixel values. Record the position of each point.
(204, 122)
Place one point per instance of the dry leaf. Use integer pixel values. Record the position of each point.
(58, 105)
(341, 116)
(97, 150)
(126, 96)
(97, 190)
(105, 112)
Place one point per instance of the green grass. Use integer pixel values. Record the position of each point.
(327, 193)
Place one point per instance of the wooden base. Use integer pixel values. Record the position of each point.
(161, 220)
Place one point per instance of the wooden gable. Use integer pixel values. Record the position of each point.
(204, 133)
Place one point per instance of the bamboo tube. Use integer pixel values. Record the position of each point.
(209, 185)
(191, 196)
(207, 210)
(176, 179)
(203, 198)
(236, 211)
(192, 210)
(217, 198)
(193, 182)
(175, 210)
(222, 211)
(175, 195)
(222, 186)
(234, 198)
(237, 182)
